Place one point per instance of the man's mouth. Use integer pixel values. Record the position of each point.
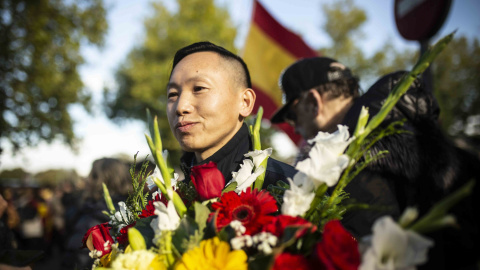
(184, 126)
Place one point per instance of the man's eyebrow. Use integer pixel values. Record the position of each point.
(172, 85)
(191, 79)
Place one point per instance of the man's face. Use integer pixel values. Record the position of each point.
(301, 118)
(203, 103)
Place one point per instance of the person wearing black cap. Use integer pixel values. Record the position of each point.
(209, 95)
(422, 165)
(319, 93)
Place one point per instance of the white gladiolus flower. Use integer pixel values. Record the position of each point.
(244, 177)
(337, 142)
(156, 173)
(297, 199)
(122, 217)
(394, 248)
(258, 156)
(326, 160)
(167, 220)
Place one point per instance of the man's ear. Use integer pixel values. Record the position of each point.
(314, 102)
(247, 102)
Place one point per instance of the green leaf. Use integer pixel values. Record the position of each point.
(143, 226)
(186, 235)
(282, 184)
(261, 262)
(136, 240)
(211, 229)
(108, 199)
(201, 215)
(437, 213)
(231, 187)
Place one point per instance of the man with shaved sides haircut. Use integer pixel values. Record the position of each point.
(209, 96)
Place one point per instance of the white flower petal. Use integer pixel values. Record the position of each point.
(244, 172)
(259, 155)
(249, 181)
(168, 218)
(297, 200)
(394, 248)
(156, 173)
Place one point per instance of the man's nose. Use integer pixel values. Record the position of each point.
(184, 104)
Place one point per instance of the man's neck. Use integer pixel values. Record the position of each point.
(200, 156)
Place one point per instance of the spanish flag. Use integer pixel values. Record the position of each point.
(269, 49)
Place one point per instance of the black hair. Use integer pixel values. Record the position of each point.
(341, 87)
(205, 46)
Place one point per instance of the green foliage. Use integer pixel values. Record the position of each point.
(143, 77)
(137, 200)
(437, 217)
(143, 226)
(187, 235)
(191, 230)
(136, 240)
(56, 176)
(328, 209)
(278, 190)
(457, 85)
(343, 23)
(188, 191)
(39, 58)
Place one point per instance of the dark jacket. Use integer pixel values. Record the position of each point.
(231, 155)
(421, 168)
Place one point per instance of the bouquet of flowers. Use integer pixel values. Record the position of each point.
(205, 224)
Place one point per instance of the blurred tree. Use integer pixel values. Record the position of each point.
(143, 77)
(343, 24)
(56, 176)
(455, 71)
(16, 173)
(39, 56)
(457, 86)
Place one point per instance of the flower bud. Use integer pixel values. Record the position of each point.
(98, 238)
(208, 181)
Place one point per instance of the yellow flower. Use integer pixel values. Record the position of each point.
(213, 254)
(138, 260)
(106, 259)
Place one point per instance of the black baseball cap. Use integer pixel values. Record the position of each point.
(304, 75)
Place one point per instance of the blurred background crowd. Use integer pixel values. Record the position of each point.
(50, 216)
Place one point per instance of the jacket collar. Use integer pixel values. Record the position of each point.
(228, 158)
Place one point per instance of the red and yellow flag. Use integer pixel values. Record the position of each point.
(269, 49)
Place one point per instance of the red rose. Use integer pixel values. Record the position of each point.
(123, 238)
(97, 236)
(278, 225)
(287, 261)
(338, 249)
(208, 181)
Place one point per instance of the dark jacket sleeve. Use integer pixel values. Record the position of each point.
(377, 195)
(277, 170)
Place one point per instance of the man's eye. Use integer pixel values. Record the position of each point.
(172, 94)
(198, 88)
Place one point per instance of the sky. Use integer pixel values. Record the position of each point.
(103, 138)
